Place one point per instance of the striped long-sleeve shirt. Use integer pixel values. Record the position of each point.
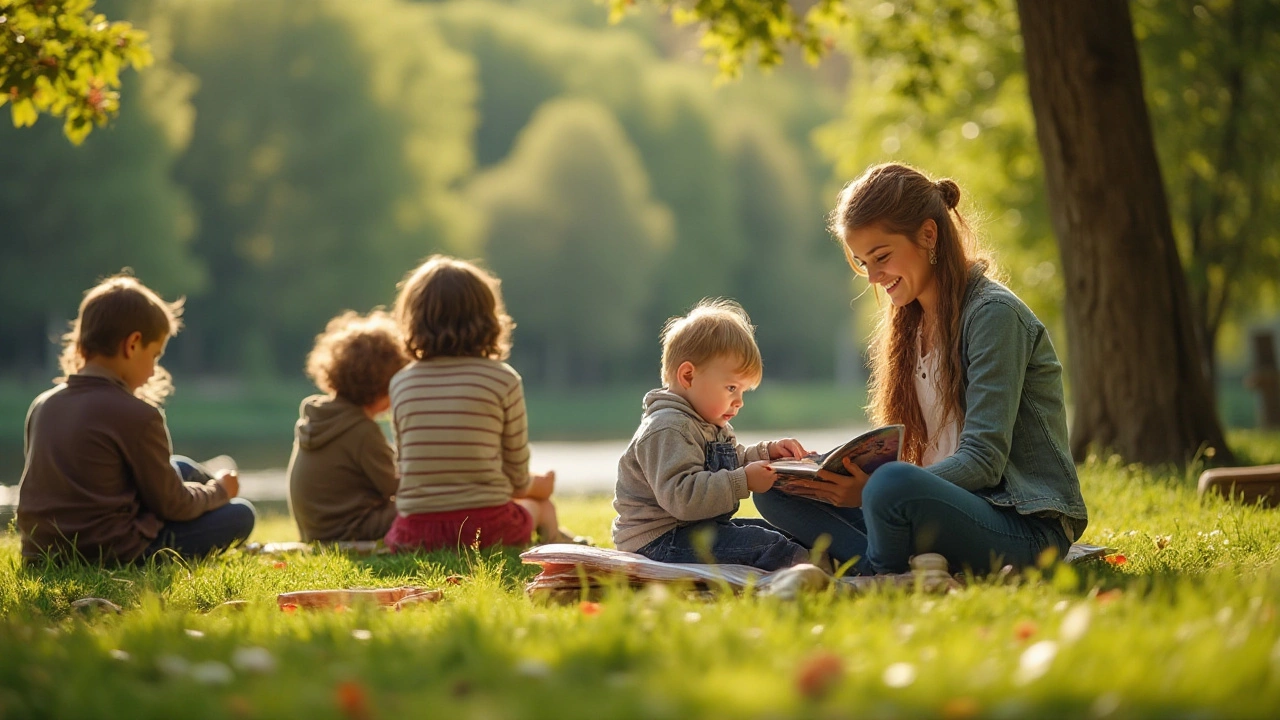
(461, 433)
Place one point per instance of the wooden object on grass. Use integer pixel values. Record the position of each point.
(1244, 484)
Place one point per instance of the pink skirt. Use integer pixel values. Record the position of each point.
(507, 524)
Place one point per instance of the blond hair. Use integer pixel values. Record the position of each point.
(714, 328)
(111, 311)
(452, 308)
(356, 355)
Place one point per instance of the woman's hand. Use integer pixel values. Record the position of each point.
(839, 490)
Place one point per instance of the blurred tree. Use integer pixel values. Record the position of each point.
(576, 238)
(74, 215)
(1137, 385)
(791, 278)
(62, 58)
(678, 127)
(1213, 78)
(328, 142)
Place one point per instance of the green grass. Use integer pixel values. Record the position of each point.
(1187, 627)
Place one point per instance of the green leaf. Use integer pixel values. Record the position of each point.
(24, 112)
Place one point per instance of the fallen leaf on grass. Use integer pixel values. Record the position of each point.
(1109, 596)
(352, 700)
(818, 674)
(960, 708)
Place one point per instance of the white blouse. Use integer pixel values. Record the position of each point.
(942, 441)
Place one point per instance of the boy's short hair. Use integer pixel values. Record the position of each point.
(111, 311)
(452, 308)
(355, 357)
(715, 327)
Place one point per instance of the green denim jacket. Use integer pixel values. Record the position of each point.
(1013, 447)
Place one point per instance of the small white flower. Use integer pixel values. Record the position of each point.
(1075, 623)
(253, 659)
(120, 655)
(173, 665)
(361, 634)
(1105, 706)
(1060, 606)
(899, 675)
(519, 633)
(818, 629)
(692, 617)
(530, 667)
(906, 631)
(212, 672)
(193, 633)
(1035, 661)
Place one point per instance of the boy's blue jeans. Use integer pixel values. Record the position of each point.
(907, 510)
(738, 541)
(210, 533)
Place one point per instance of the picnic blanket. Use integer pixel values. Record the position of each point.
(568, 569)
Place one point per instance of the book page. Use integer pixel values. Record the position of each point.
(868, 451)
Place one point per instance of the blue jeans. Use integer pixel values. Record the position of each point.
(210, 533)
(907, 510)
(743, 541)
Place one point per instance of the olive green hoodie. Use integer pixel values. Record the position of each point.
(342, 474)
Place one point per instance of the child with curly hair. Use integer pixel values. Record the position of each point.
(342, 473)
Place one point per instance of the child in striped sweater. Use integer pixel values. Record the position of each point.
(459, 417)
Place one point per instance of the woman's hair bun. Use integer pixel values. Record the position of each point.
(950, 192)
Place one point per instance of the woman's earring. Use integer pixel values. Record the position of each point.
(933, 256)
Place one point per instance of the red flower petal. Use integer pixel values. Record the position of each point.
(590, 608)
(1116, 559)
(1025, 629)
(818, 674)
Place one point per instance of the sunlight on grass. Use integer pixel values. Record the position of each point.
(1185, 626)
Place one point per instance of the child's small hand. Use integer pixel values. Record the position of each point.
(228, 481)
(760, 476)
(786, 448)
(541, 485)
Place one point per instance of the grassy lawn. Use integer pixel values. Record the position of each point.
(1186, 627)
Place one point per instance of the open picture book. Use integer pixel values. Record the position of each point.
(868, 451)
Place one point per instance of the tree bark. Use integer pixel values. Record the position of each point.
(1136, 382)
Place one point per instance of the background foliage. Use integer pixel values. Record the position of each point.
(278, 163)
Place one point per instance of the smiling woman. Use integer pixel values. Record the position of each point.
(970, 372)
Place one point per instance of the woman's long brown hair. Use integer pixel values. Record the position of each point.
(899, 199)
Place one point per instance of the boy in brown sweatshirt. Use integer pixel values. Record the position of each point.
(342, 474)
(99, 482)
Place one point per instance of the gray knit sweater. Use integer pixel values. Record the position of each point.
(662, 477)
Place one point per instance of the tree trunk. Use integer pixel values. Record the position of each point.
(1137, 384)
